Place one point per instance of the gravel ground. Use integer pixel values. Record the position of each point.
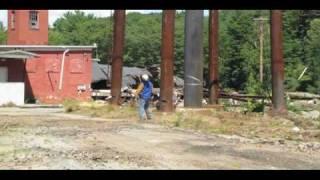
(48, 138)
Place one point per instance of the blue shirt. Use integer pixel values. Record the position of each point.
(147, 90)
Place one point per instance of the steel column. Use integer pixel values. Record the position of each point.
(213, 56)
(193, 59)
(167, 57)
(278, 99)
(117, 55)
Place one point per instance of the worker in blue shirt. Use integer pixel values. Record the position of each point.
(144, 92)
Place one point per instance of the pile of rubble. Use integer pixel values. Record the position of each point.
(101, 82)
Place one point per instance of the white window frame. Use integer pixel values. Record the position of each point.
(34, 19)
(13, 19)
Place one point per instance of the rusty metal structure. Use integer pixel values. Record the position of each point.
(213, 56)
(277, 65)
(167, 58)
(117, 55)
(193, 59)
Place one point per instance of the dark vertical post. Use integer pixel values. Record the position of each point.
(213, 56)
(167, 57)
(278, 99)
(117, 55)
(193, 59)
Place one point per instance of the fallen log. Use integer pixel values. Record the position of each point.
(302, 95)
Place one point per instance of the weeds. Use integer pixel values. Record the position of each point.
(232, 123)
(98, 110)
(9, 104)
(179, 119)
(254, 106)
(207, 121)
(71, 105)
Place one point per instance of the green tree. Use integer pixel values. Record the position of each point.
(77, 28)
(293, 48)
(3, 34)
(238, 49)
(143, 39)
(238, 44)
(313, 44)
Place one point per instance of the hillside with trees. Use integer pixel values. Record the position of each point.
(238, 41)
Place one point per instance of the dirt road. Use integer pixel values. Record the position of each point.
(44, 138)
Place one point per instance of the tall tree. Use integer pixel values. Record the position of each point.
(239, 49)
(238, 44)
(77, 28)
(313, 50)
(3, 34)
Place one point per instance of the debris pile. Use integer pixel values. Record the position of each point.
(101, 82)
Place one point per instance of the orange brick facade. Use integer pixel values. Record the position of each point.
(43, 77)
(20, 32)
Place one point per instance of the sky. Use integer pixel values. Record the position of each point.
(55, 14)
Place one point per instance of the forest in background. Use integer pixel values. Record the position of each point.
(238, 45)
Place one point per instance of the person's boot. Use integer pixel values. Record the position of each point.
(142, 119)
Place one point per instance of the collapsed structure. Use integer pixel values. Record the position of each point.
(101, 80)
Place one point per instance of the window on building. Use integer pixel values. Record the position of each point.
(34, 20)
(13, 19)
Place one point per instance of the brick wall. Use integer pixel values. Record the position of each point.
(43, 76)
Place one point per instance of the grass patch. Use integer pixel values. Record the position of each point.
(95, 109)
(9, 104)
(250, 125)
(71, 105)
(232, 123)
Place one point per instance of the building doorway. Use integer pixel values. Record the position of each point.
(3, 74)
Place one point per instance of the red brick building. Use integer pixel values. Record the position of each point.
(50, 73)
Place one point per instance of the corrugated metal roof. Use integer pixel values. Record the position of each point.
(17, 54)
(45, 48)
(103, 72)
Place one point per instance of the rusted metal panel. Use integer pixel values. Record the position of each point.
(167, 58)
(117, 55)
(277, 66)
(213, 56)
(193, 59)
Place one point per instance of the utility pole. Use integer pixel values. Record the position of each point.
(213, 56)
(117, 55)
(277, 64)
(261, 38)
(167, 57)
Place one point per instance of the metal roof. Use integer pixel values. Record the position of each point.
(46, 48)
(17, 54)
(103, 72)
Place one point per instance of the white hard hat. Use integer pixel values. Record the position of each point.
(145, 77)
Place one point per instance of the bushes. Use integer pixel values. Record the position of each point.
(255, 106)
